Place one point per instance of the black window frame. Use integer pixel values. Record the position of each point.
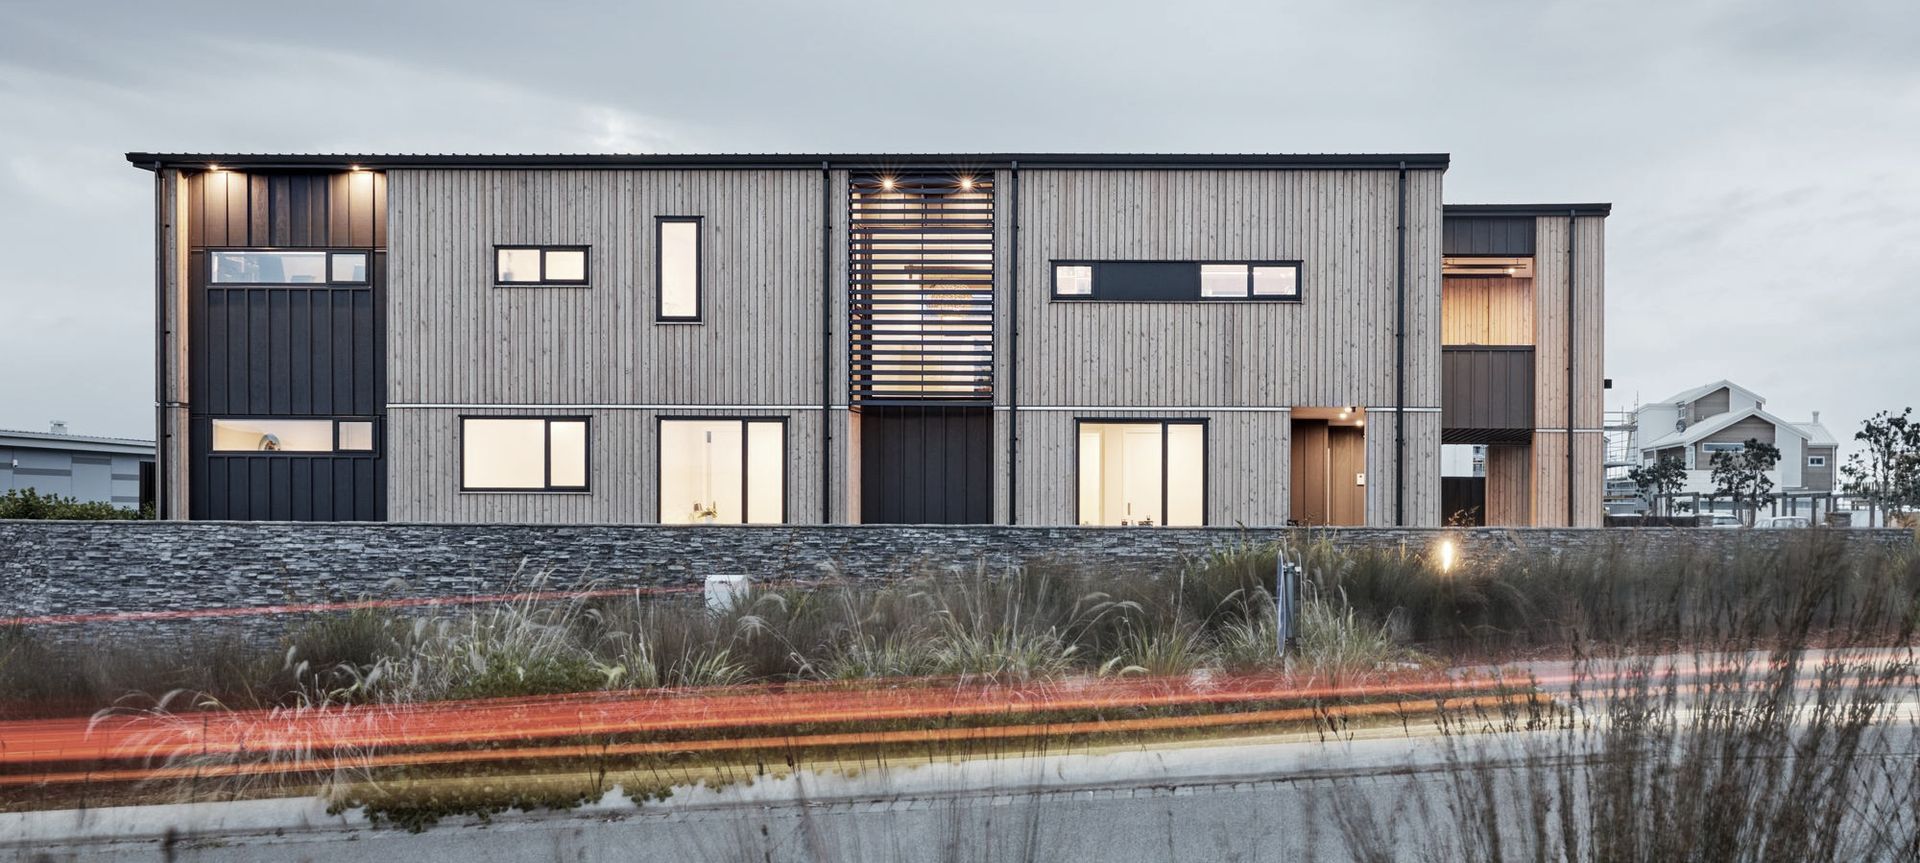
(1206, 458)
(786, 461)
(1298, 267)
(213, 254)
(660, 315)
(586, 265)
(334, 432)
(546, 456)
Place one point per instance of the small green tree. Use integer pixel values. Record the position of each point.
(1886, 472)
(1663, 477)
(1741, 477)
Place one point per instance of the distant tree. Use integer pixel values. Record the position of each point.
(1741, 477)
(27, 503)
(1886, 473)
(1663, 477)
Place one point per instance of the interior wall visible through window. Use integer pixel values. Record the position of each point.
(1142, 473)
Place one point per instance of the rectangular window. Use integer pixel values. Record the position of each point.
(349, 267)
(1177, 281)
(292, 435)
(1143, 473)
(540, 265)
(237, 435)
(271, 268)
(1073, 280)
(1816, 461)
(523, 453)
(677, 267)
(722, 471)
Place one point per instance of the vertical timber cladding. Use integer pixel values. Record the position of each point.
(285, 349)
(1569, 351)
(920, 342)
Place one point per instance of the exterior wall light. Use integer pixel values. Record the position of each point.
(1448, 554)
(966, 184)
(886, 183)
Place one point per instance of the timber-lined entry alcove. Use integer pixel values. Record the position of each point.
(1329, 458)
(920, 352)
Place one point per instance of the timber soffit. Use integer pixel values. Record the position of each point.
(749, 161)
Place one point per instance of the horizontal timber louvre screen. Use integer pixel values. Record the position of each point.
(920, 287)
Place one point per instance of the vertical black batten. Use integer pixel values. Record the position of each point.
(826, 344)
(1400, 361)
(1572, 224)
(160, 365)
(1013, 351)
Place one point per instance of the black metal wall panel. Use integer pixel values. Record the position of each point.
(286, 351)
(1486, 394)
(926, 465)
(1502, 237)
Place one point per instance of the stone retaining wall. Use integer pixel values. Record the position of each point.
(68, 568)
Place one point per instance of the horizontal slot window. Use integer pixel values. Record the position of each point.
(540, 265)
(287, 268)
(292, 435)
(1177, 281)
(523, 454)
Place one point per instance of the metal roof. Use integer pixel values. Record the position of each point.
(1496, 211)
(81, 443)
(377, 161)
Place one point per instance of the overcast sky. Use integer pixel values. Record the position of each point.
(1760, 156)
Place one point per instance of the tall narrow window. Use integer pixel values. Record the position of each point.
(722, 471)
(523, 454)
(1143, 473)
(677, 267)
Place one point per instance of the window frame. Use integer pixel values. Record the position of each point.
(546, 455)
(1820, 458)
(746, 458)
(1298, 267)
(336, 420)
(1206, 459)
(326, 253)
(586, 265)
(660, 315)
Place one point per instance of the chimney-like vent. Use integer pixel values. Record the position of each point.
(1816, 416)
(58, 427)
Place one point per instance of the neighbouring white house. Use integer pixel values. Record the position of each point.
(1721, 417)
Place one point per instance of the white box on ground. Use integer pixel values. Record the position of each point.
(724, 590)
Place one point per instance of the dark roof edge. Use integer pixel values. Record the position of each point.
(372, 161)
(1469, 211)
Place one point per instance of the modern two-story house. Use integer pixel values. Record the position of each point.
(1054, 339)
(1695, 424)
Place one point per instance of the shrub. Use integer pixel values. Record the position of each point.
(28, 503)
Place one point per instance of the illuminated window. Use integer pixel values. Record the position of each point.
(1177, 281)
(240, 435)
(1143, 473)
(1073, 280)
(523, 454)
(540, 265)
(722, 471)
(677, 267)
(1223, 281)
(356, 436)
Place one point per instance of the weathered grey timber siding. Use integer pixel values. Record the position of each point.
(1552, 484)
(456, 340)
(1819, 478)
(1486, 312)
(1335, 347)
(1712, 404)
(1754, 428)
(623, 477)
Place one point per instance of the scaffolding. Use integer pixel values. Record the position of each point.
(1621, 495)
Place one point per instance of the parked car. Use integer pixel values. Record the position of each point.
(1784, 521)
(1723, 520)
